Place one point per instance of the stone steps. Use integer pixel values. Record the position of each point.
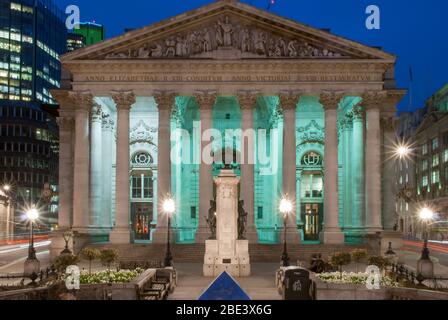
(194, 253)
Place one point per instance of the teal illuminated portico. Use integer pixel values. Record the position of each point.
(294, 110)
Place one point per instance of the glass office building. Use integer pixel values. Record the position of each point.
(92, 32)
(32, 39)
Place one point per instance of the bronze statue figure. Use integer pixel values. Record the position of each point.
(242, 220)
(211, 220)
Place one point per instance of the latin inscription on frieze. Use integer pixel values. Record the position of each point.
(255, 78)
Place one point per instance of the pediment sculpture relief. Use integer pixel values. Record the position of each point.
(226, 34)
(142, 133)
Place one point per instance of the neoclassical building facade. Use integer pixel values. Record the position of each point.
(325, 105)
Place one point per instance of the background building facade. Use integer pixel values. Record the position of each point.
(423, 178)
(32, 39)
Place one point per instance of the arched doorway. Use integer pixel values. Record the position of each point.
(311, 195)
(143, 184)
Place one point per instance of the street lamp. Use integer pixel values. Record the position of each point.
(67, 236)
(6, 187)
(32, 264)
(425, 267)
(169, 207)
(285, 209)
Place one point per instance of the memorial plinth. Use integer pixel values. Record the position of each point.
(227, 253)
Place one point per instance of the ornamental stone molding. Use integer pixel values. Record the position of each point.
(123, 99)
(83, 100)
(289, 100)
(206, 99)
(97, 113)
(142, 133)
(247, 99)
(312, 133)
(166, 100)
(225, 36)
(373, 99)
(330, 100)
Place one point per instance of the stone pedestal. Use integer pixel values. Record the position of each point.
(396, 238)
(227, 253)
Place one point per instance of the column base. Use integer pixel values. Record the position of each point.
(120, 236)
(332, 237)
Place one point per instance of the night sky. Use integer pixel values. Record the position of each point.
(415, 31)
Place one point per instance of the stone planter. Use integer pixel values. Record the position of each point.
(118, 291)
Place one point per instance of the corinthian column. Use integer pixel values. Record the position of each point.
(121, 234)
(108, 141)
(247, 103)
(81, 188)
(206, 102)
(96, 165)
(358, 172)
(332, 232)
(372, 102)
(288, 102)
(165, 102)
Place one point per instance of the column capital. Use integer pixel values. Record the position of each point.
(247, 99)
(64, 98)
(65, 123)
(373, 99)
(108, 123)
(206, 99)
(123, 99)
(82, 100)
(357, 112)
(289, 99)
(330, 99)
(165, 100)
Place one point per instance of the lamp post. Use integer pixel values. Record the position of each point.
(425, 267)
(169, 207)
(67, 236)
(285, 209)
(32, 264)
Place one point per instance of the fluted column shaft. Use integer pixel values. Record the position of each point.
(288, 102)
(166, 102)
(206, 102)
(373, 173)
(96, 156)
(81, 187)
(389, 184)
(66, 137)
(247, 103)
(332, 232)
(347, 133)
(122, 231)
(108, 140)
(358, 161)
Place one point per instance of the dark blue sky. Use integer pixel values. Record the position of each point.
(414, 30)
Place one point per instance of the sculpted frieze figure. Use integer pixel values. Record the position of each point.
(223, 34)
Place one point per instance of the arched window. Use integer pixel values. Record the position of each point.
(312, 159)
(142, 159)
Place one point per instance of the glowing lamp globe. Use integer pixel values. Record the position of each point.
(426, 214)
(32, 214)
(169, 206)
(285, 206)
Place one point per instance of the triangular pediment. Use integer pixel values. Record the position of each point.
(227, 29)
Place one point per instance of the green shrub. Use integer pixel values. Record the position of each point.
(108, 257)
(63, 261)
(378, 261)
(90, 254)
(340, 259)
(358, 256)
